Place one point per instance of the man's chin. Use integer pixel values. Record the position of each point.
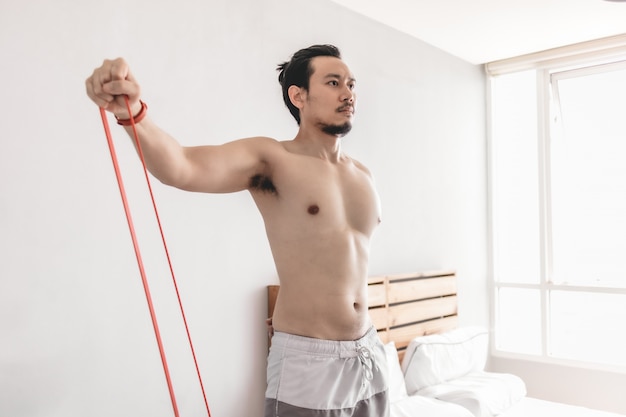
(337, 130)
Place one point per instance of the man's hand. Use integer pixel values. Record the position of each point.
(108, 85)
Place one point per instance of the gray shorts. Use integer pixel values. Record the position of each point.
(324, 378)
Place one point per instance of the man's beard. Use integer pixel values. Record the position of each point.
(337, 130)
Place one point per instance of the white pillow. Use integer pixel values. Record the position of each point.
(397, 388)
(431, 360)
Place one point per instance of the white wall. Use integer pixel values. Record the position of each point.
(75, 333)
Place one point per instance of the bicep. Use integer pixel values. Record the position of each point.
(226, 168)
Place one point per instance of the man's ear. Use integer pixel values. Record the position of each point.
(296, 95)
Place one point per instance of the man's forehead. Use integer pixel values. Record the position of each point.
(331, 67)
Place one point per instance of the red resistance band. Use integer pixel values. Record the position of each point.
(144, 280)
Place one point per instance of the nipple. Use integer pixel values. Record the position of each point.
(313, 209)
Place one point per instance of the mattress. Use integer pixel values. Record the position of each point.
(418, 406)
(533, 407)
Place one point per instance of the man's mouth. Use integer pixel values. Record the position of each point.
(346, 109)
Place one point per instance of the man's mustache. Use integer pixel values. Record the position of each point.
(345, 107)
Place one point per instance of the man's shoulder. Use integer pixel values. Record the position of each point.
(265, 146)
(268, 143)
(358, 165)
(261, 141)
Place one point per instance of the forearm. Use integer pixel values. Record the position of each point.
(164, 156)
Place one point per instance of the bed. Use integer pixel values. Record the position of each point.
(436, 368)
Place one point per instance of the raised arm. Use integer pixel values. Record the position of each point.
(213, 169)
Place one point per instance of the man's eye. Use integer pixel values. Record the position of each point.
(333, 83)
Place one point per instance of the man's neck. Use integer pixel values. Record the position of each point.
(315, 142)
(319, 144)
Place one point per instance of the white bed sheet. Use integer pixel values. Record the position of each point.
(418, 406)
(533, 407)
(484, 394)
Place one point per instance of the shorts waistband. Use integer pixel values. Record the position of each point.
(338, 348)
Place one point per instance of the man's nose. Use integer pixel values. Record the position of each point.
(348, 95)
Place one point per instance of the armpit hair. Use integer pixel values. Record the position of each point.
(263, 183)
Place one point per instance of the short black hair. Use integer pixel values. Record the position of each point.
(298, 70)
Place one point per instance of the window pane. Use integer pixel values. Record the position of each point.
(515, 179)
(583, 327)
(518, 327)
(588, 176)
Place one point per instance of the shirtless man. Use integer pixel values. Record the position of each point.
(320, 209)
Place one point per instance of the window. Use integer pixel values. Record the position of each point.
(558, 212)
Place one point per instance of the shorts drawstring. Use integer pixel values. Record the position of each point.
(365, 355)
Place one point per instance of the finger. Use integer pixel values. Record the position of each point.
(121, 87)
(100, 76)
(119, 69)
(121, 81)
(110, 82)
(94, 91)
(109, 70)
(136, 92)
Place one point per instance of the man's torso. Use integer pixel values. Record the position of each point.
(319, 217)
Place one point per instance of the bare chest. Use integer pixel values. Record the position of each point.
(317, 196)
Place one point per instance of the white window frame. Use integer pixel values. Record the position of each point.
(563, 62)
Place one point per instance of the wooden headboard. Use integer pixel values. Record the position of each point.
(404, 306)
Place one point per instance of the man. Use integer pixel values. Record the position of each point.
(320, 209)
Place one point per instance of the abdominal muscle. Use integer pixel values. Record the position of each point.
(325, 296)
(320, 315)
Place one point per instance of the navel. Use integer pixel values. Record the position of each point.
(313, 209)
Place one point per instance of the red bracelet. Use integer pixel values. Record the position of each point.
(137, 118)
